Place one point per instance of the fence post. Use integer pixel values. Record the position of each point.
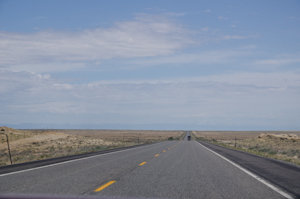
(235, 142)
(8, 147)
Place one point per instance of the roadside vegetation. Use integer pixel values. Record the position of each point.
(31, 145)
(277, 146)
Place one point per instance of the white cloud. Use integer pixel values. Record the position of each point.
(241, 98)
(29, 92)
(146, 36)
(49, 67)
(265, 80)
(58, 107)
(207, 57)
(281, 60)
(227, 37)
(268, 81)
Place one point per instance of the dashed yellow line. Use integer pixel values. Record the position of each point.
(168, 148)
(157, 155)
(104, 186)
(142, 163)
(164, 150)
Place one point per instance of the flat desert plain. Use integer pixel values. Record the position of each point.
(240, 135)
(37, 144)
(125, 134)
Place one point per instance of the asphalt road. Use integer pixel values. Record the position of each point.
(171, 169)
(279, 173)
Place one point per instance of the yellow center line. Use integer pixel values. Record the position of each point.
(142, 163)
(104, 186)
(164, 151)
(157, 155)
(168, 148)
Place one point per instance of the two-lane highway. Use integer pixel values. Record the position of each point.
(188, 133)
(171, 169)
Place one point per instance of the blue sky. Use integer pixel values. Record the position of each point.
(195, 65)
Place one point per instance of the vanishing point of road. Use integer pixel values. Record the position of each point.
(170, 169)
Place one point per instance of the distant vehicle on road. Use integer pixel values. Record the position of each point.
(189, 138)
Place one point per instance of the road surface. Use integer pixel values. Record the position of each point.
(170, 169)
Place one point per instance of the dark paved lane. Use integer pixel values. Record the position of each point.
(79, 177)
(172, 169)
(188, 133)
(189, 171)
(282, 174)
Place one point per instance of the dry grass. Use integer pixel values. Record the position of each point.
(124, 135)
(240, 135)
(33, 145)
(278, 145)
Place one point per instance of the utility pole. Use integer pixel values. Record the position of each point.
(8, 147)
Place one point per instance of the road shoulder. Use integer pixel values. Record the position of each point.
(283, 175)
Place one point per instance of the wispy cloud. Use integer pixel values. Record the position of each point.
(146, 36)
(271, 81)
(281, 60)
(30, 92)
(49, 67)
(213, 100)
(227, 37)
(206, 57)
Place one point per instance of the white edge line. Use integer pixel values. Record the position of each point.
(253, 175)
(50, 165)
